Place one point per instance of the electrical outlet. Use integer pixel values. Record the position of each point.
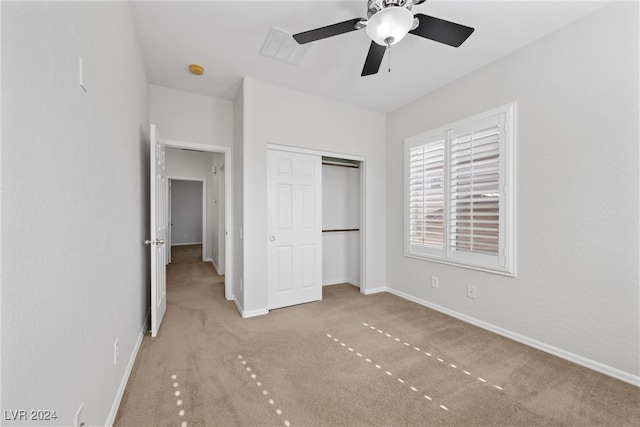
(434, 282)
(471, 291)
(80, 422)
(116, 351)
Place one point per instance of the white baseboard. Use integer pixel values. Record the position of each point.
(254, 313)
(127, 373)
(375, 291)
(214, 265)
(340, 282)
(563, 354)
(333, 282)
(238, 306)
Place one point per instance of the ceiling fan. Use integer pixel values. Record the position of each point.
(388, 22)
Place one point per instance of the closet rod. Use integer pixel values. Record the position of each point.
(342, 165)
(342, 229)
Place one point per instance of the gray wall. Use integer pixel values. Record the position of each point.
(576, 292)
(186, 212)
(74, 206)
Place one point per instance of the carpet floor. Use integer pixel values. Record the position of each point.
(349, 360)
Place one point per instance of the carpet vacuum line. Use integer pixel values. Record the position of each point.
(451, 365)
(177, 393)
(265, 392)
(390, 374)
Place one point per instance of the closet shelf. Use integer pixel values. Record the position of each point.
(341, 229)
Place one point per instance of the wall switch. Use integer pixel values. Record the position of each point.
(116, 351)
(434, 282)
(471, 291)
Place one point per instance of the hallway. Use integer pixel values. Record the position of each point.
(187, 268)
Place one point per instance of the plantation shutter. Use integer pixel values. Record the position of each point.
(459, 193)
(427, 194)
(475, 188)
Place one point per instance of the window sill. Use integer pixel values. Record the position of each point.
(500, 271)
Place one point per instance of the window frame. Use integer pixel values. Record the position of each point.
(504, 261)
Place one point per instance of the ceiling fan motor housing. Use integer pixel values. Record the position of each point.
(375, 6)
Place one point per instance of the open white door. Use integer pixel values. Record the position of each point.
(169, 223)
(294, 255)
(158, 231)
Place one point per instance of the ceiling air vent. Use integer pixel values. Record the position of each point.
(280, 45)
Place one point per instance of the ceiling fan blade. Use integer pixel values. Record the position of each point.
(441, 31)
(374, 59)
(328, 31)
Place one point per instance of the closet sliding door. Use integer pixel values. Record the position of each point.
(294, 254)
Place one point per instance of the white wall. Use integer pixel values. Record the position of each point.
(576, 291)
(238, 200)
(340, 210)
(190, 117)
(74, 206)
(276, 115)
(186, 212)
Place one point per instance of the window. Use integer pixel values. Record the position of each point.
(459, 187)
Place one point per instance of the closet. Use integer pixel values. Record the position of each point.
(341, 199)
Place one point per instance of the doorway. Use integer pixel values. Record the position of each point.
(187, 213)
(217, 203)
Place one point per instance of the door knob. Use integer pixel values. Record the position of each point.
(272, 238)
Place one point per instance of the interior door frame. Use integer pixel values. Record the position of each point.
(363, 194)
(228, 207)
(204, 209)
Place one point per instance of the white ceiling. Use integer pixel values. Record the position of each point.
(226, 37)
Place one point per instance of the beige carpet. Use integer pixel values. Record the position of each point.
(349, 360)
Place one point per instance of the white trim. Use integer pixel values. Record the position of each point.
(571, 357)
(228, 200)
(293, 149)
(333, 282)
(363, 192)
(375, 291)
(504, 263)
(363, 228)
(340, 282)
(127, 373)
(214, 265)
(254, 313)
(238, 306)
(187, 244)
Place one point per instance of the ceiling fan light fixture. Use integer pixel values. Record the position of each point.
(388, 26)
